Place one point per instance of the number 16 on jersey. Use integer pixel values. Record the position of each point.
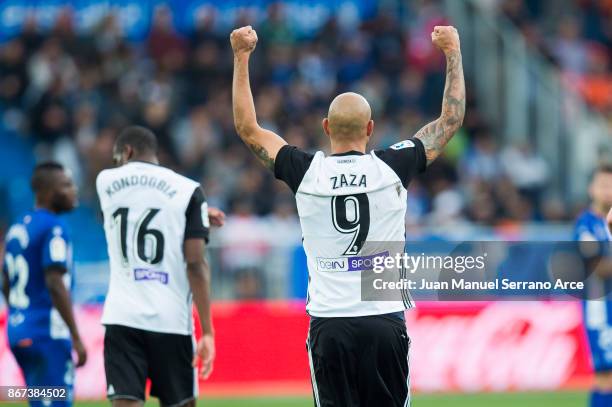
(148, 243)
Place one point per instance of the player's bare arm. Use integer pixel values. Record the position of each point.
(436, 134)
(265, 144)
(198, 274)
(61, 301)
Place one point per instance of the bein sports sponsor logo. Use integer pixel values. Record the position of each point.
(150, 275)
(350, 263)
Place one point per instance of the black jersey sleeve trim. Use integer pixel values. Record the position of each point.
(407, 159)
(194, 225)
(291, 165)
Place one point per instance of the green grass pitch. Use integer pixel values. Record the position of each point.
(560, 399)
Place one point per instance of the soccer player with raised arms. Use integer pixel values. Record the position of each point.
(358, 350)
(37, 276)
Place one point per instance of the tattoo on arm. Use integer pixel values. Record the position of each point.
(436, 134)
(263, 143)
(262, 155)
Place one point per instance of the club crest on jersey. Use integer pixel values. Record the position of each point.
(402, 144)
(348, 180)
(150, 275)
(16, 319)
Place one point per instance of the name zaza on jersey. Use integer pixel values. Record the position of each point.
(348, 180)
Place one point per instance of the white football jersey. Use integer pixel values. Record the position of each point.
(344, 201)
(148, 212)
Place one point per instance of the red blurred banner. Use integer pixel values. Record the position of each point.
(471, 347)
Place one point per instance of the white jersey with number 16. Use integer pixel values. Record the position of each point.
(148, 212)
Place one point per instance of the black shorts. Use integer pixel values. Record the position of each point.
(133, 355)
(359, 361)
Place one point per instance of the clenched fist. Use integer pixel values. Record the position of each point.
(243, 40)
(446, 38)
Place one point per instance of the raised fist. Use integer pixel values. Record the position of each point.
(446, 38)
(243, 40)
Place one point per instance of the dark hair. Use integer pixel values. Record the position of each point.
(41, 177)
(605, 168)
(141, 139)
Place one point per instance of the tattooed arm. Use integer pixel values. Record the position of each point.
(263, 143)
(436, 134)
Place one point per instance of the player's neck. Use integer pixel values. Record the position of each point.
(600, 210)
(38, 205)
(346, 146)
(151, 159)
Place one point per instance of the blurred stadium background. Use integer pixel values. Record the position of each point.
(539, 118)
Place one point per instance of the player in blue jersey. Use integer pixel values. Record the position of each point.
(592, 227)
(36, 281)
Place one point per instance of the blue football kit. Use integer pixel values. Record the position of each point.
(37, 334)
(591, 229)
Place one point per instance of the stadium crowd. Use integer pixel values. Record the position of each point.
(577, 37)
(70, 94)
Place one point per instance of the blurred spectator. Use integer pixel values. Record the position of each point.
(165, 46)
(447, 206)
(14, 79)
(193, 137)
(108, 34)
(275, 29)
(50, 115)
(527, 171)
(481, 162)
(482, 208)
(569, 48)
